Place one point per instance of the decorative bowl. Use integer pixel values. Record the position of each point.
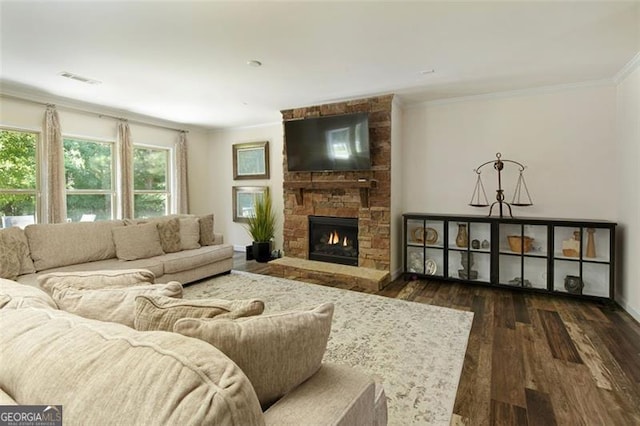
(516, 243)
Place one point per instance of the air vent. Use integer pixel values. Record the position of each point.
(79, 78)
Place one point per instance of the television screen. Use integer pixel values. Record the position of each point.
(338, 142)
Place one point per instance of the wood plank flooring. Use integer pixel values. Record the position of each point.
(534, 359)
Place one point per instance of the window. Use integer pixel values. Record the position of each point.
(18, 178)
(151, 189)
(89, 173)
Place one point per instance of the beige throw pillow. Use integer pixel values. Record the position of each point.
(14, 253)
(23, 296)
(161, 313)
(137, 241)
(110, 304)
(189, 233)
(207, 238)
(277, 352)
(169, 231)
(87, 280)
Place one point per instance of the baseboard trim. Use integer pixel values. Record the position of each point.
(630, 310)
(240, 248)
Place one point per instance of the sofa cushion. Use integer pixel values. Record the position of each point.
(277, 352)
(14, 253)
(137, 241)
(84, 280)
(189, 233)
(190, 259)
(62, 244)
(110, 304)
(169, 231)
(4, 300)
(24, 296)
(161, 312)
(207, 237)
(107, 373)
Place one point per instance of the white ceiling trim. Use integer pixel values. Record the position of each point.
(515, 93)
(627, 69)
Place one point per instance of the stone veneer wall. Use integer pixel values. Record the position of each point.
(374, 222)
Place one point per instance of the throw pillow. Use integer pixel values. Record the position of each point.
(23, 296)
(86, 280)
(161, 313)
(137, 241)
(277, 352)
(189, 233)
(110, 304)
(169, 231)
(14, 253)
(207, 236)
(4, 300)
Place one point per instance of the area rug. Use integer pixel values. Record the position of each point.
(415, 350)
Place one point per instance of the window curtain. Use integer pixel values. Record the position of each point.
(181, 160)
(126, 167)
(54, 155)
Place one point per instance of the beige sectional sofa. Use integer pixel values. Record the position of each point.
(91, 246)
(106, 373)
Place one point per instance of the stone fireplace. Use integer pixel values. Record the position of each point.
(333, 239)
(364, 195)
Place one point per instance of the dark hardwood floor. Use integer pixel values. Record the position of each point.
(534, 359)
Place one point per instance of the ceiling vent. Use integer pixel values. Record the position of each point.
(79, 78)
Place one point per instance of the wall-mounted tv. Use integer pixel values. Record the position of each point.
(336, 143)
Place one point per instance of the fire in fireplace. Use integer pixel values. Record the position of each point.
(333, 239)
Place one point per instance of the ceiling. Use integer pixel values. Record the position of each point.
(187, 61)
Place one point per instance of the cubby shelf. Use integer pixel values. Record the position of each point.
(543, 268)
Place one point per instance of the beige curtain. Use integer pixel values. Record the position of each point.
(181, 160)
(126, 167)
(54, 155)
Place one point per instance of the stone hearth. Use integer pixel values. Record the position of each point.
(365, 195)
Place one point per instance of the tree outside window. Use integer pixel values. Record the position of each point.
(150, 182)
(18, 177)
(89, 176)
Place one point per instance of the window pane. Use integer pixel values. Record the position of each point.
(87, 164)
(17, 209)
(149, 205)
(150, 169)
(88, 207)
(17, 160)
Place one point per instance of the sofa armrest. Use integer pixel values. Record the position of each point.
(335, 395)
(217, 239)
(5, 398)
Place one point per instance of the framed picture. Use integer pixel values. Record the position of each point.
(251, 160)
(244, 198)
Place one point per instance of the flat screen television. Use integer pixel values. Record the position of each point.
(331, 143)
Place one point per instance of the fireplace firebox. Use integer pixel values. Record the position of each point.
(333, 239)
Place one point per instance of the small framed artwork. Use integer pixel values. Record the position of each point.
(244, 198)
(251, 160)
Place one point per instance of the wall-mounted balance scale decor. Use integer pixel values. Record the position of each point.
(520, 198)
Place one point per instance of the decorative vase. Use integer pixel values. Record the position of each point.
(591, 243)
(462, 239)
(573, 284)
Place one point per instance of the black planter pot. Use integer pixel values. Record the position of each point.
(261, 251)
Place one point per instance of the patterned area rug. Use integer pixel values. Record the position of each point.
(416, 351)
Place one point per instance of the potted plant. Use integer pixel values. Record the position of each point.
(262, 228)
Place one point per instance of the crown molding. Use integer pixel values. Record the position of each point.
(9, 90)
(627, 69)
(515, 93)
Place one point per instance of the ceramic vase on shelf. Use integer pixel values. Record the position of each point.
(591, 243)
(462, 239)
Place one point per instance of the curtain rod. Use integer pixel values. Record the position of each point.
(99, 115)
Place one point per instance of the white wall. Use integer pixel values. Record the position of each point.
(565, 138)
(397, 183)
(220, 176)
(628, 179)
